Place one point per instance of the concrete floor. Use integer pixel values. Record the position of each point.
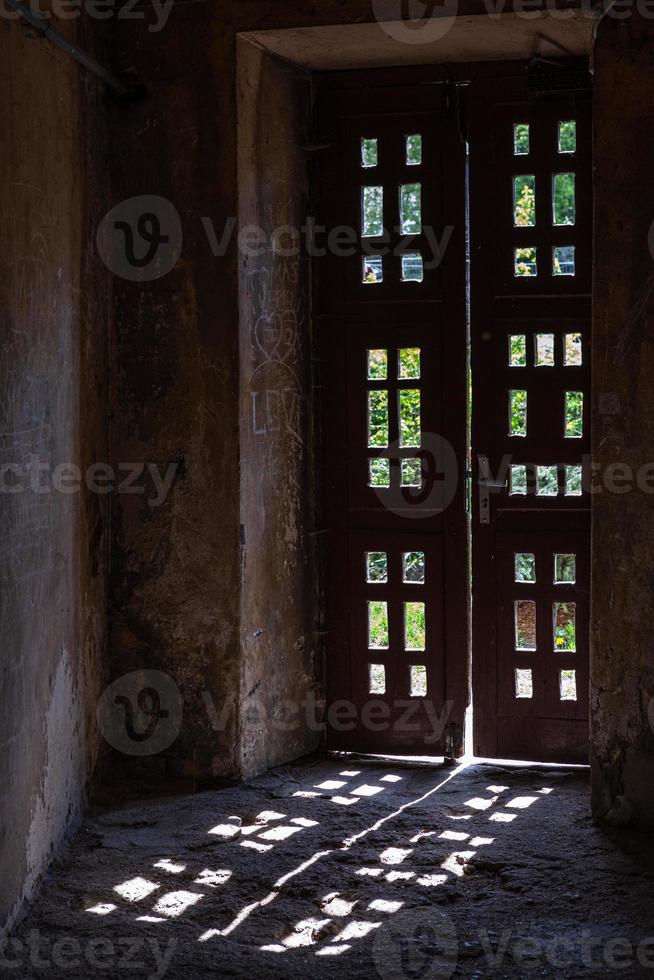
(342, 868)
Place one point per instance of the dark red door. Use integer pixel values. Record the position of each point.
(395, 392)
(531, 283)
(392, 330)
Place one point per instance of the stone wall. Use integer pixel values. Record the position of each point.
(53, 404)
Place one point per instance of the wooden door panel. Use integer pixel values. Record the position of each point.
(531, 417)
(393, 391)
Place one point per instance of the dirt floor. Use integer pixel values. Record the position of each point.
(343, 868)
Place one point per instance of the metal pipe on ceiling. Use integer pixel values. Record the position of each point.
(46, 30)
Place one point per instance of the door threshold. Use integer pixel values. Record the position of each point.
(439, 762)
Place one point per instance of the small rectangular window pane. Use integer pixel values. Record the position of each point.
(410, 209)
(524, 262)
(372, 212)
(414, 150)
(525, 625)
(379, 473)
(377, 625)
(518, 412)
(408, 362)
(563, 260)
(517, 350)
(369, 153)
(525, 567)
(418, 681)
(377, 365)
(547, 481)
(573, 481)
(413, 269)
(568, 685)
(563, 199)
(376, 679)
(544, 350)
(524, 685)
(414, 626)
(565, 569)
(573, 350)
(413, 567)
(377, 566)
(565, 630)
(411, 473)
(524, 201)
(372, 269)
(518, 480)
(378, 419)
(568, 137)
(574, 414)
(410, 425)
(521, 139)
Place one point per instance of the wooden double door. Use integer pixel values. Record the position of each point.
(452, 303)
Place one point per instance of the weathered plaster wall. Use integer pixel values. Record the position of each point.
(622, 668)
(278, 642)
(53, 310)
(175, 593)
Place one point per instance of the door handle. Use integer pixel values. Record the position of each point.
(486, 483)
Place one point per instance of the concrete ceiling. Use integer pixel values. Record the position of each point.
(443, 40)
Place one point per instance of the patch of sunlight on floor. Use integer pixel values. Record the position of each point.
(334, 905)
(136, 889)
(345, 800)
(267, 816)
(384, 905)
(453, 835)
(481, 841)
(498, 789)
(400, 875)
(456, 862)
(394, 855)
(166, 865)
(477, 803)
(430, 881)
(279, 833)
(503, 817)
(228, 830)
(212, 878)
(521, 802)
(332, 950)
(331, 784)
(102, 909)
(305, 933)
(356, 930)
(174, 903)
(391, 779)
(370, 872)
(366, 790)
